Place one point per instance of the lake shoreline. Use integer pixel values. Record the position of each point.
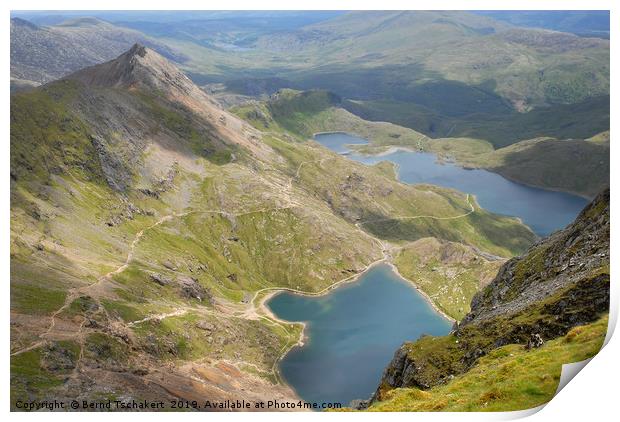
(303, 339)
(261, 303)
(390, 149)
(263, 310)
(413, 167)
(262, 297)
(442, 159)
(426, 297)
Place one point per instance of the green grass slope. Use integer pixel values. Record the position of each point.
(572, 165)
(578, 120)
(465, 75)
(398, 212)
(450, 273)
(509, 378)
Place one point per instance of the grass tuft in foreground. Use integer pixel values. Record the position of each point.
(508, 378)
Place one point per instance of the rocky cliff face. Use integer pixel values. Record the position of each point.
(562, 261)
(559, 283)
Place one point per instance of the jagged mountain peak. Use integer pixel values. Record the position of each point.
(138, 66)
(143, 69)
(137, 49)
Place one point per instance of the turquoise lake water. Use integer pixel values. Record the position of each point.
(352, 334)
(542, 210)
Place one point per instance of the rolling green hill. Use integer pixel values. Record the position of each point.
(462, 74)
(580, 120)
(526, 67)
(465, 75)
(579, 166)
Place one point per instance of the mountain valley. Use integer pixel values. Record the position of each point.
(168, 187)
(186, 214)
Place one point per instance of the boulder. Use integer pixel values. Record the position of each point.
(206, 326)
(190, 288)
(160, 279)
(534, 342)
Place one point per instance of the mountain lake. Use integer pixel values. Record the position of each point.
(352, 332)
(542, 210)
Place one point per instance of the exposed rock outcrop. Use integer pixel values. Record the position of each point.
(190, 288)
(138, 65)
(560, 261)
(160, 279)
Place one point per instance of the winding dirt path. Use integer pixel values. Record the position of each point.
(399, 217)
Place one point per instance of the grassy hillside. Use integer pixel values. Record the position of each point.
(118, 277)
(308, 112)
(580, 120)
(465, 75)
(394, 211)
(572, 165)
(450, 47)
(449, 273)
(509, 378)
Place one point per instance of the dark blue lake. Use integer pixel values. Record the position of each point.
(352, 334)
(542, 210)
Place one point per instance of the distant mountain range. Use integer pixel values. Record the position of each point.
(589, 23)
(449, 73)
(42, 54)
(441, 73)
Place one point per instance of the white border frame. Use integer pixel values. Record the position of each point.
(590, 396)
